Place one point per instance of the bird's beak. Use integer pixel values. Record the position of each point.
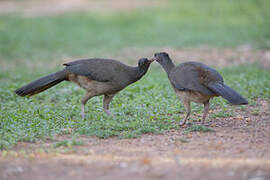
(152, 59)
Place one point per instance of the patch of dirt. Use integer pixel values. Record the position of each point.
(238, 149)
(217, 57)
(33, 8)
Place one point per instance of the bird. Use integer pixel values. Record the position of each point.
(97, 76)
(196, 82)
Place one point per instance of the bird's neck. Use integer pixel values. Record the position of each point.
(138, 73)
(168, 66)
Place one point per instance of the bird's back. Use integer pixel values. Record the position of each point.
(102, 70)
(194, 76)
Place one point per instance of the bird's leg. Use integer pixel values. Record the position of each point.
(85, 98)
(206, 109)
(106, 101)
(82, 111)
(187, 107)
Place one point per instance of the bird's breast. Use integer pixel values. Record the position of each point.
(193, 96)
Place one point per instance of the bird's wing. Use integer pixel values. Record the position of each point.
(96, 69)
(193, 76)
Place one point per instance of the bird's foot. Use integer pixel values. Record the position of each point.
(108, 112)
(83, 116)
(182, 123)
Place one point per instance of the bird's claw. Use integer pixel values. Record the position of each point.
(182, 123)
(83, 116)
(108, 112)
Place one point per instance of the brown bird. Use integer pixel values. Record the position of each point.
(197, 82)
(97, 76)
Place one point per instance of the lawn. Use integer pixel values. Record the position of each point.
(149, 105)
(146, 106)
(180, 24)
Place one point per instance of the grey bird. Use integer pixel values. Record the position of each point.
(97, 76)
(196, 82)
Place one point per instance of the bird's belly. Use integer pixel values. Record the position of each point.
(96, 87)
(193, 96)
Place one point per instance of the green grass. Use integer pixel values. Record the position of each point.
(198, 128)
(68, 143)
(181, 24)
(148, 106)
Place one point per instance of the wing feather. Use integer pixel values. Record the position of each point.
(194, 76)
(103, 70)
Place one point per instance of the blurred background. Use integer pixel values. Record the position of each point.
(34, 32)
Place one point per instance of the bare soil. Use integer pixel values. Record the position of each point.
(215, 57)
(212, 56)
(238, 149)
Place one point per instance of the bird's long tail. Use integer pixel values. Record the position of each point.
(227, 93)
(42, 84)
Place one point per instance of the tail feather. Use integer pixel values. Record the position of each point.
(228, 93)
(42, 84)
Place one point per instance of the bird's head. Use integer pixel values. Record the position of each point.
(144, 63)
(161, 57)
